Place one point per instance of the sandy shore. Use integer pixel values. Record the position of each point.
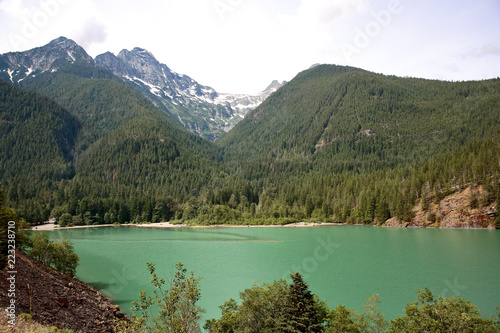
(52, 226)
(292, 225)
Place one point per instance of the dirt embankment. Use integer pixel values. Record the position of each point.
(463, 210)
(53, 299)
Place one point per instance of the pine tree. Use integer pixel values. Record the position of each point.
(382, 212)
(301, 312)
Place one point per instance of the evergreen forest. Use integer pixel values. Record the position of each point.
(336, 144)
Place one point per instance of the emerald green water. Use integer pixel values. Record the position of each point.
(341, 264)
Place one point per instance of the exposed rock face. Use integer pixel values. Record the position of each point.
(56, 300)
(242, 104)
(198, 108)
(193, 105)
(17, 66)
(454, 211)
(141, 65)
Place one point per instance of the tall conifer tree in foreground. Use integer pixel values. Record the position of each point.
(301, 313)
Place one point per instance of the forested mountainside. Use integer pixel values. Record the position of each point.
(37, 136)
(336, 144)
(115, 145)
(357, 120)
(341, 143)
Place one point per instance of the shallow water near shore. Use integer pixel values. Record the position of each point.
(341, 264)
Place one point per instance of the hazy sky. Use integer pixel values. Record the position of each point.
(240, 46)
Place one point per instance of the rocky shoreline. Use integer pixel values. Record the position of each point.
(54, 299)
(455, 211)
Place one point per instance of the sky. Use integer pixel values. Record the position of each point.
(240, 46)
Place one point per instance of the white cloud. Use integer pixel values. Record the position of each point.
(93, 31)
(35, 23)
(483, 51)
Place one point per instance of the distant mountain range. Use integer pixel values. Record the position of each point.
(199, 108)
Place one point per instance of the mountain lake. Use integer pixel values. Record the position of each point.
(342, 264)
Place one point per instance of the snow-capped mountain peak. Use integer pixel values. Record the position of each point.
(213, 113)
(51, 57)
(200, 109)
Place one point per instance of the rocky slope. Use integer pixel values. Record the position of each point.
(242, 104)
(464, 209)
(54, 299)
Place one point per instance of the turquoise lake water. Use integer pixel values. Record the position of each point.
(341, 264)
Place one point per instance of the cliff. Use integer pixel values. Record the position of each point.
(464, 209)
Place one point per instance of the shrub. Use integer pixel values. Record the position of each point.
(59, 254)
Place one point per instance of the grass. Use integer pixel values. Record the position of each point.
(25, 324)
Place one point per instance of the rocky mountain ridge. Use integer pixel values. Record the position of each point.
(199, 108)
(17, 66)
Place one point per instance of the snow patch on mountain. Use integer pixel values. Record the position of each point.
(49, 58)
(199, 108)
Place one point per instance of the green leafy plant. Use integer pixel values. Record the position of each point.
(58, 254)
(171, 309)
(452, 314)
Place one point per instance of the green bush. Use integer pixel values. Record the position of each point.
(452, 314)
(58, 254)
(167, 310)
